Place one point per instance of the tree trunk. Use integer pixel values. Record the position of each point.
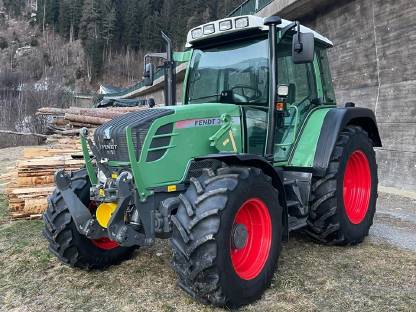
(71, 32)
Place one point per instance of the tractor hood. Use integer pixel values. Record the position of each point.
(111, 140)
(167, 139)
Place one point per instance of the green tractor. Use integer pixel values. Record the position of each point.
(257, 149)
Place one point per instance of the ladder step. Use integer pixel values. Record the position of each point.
(295, 223)
(289, 182)
(292, 203)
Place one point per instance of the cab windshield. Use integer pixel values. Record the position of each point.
(235, 73)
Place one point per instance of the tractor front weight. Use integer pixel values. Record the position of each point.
(110, 224)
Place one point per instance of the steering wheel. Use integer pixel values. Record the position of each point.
(242, 97)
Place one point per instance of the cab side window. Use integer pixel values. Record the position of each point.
(300, 77)
(325, 72)
(303, 79)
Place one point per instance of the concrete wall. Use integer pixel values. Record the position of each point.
(373, 64)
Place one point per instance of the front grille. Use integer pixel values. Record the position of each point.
(111, 140)
(160, 143)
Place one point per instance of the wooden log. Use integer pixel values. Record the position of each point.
(36, 152)
(59, 121)
(72, 132)
(25, 216)
(33, 191)
(100, 113)
(43, 136)
(119, 109)
(82, 125)
(51, 111)
(47, 162)
(86, 119)
(30, 181)
(36, 205)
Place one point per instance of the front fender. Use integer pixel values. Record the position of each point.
(251, 160)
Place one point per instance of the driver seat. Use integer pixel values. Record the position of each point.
(227, 96)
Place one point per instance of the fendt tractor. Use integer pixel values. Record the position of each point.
(257, 149)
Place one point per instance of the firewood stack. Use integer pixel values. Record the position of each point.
(31, 180)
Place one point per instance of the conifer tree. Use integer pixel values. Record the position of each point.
(125, 25)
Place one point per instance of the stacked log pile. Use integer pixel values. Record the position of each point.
(31, 180)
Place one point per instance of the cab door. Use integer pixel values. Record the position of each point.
(304, 97)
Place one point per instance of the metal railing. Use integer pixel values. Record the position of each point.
(249, 7)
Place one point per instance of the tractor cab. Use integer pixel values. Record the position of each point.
(230, 64)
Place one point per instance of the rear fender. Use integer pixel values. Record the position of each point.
(335, 121)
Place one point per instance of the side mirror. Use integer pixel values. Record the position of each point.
(303, 48)
(151, 102)
(148, 74)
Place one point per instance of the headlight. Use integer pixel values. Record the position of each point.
(241, 22)
(209, 29)
(197, 33)
(101, 177)
(226, 25)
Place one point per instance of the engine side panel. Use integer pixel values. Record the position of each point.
(192, 126)
(320, 132)
(303, 153)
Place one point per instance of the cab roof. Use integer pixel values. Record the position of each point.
(240, 25)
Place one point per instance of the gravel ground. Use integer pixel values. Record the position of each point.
(378, 275)
(395, 220)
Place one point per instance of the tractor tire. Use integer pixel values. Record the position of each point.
(227, 236)
(344, 200)
(67, 244)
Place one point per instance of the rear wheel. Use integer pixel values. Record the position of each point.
(227, 236)
(67, 244)
(344, 201)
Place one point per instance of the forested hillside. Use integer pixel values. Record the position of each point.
(108, 27)
(113, 29)
(50, 49)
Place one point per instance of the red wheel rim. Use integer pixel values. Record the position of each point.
(357, 187)
(103, 243)
(249, 260)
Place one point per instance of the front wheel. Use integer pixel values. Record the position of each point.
(344, 201)
(227, 236)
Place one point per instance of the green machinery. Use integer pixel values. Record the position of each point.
(257, 150)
